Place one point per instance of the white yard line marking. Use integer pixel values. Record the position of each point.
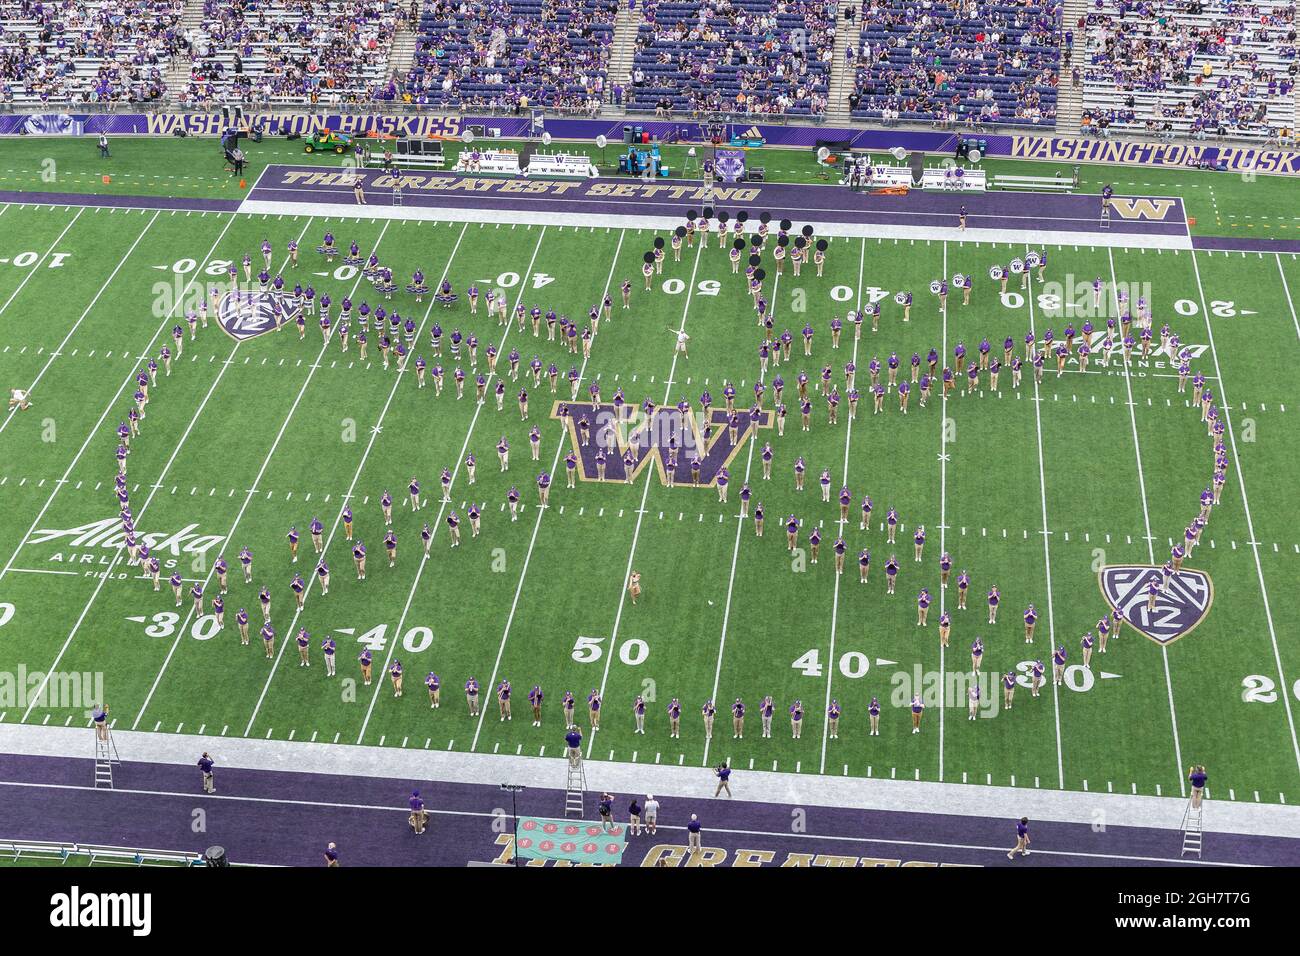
(848, 436)
(36, 266)
(645, 494)
(183, 629)
(1250, 524)
(1047, 551)
(365, 455)
(1287, 289)
(76, 325)
(442, 508)
(1146, 522)
(514, 604)
(130, 379)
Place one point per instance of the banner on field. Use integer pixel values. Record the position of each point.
(573, 841)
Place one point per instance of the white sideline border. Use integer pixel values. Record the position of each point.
(524, 217)
(693, 783)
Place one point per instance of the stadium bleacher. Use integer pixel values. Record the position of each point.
(74, 53)
(967, 62)
(1194, 68)
(288, 52)
(735, 56)
(512, 55)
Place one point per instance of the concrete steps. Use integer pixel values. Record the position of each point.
(841, 80)
(626, 26)
(1069, 98)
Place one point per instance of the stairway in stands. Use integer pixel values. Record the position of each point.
(1069, 98)
(626, 26)
(402, 55)
(841, 79)
(177, 74)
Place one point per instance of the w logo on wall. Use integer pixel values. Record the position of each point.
(245, 314)
(1178, 608)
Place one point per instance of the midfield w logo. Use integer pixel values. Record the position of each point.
(654, 438)
(1179, 607)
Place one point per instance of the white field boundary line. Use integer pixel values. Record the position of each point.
(645, 494)
(848, 437)
(442, 507)
(1289, 301)
(582, 220)
(974, 800)
(1151, 547)
(36, 266)
(117, 555)
(183, 628)
(528, 555)
(76, 325)
(943, 502)
(1250, 523)
(735, 558)
(803, 837)
(290, 633)
(130, 379)
(1047, 549)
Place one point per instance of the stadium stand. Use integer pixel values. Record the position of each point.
(752, 57)
(513, 55)
(1196, 68)
(291, 52)
(957, 62)
(70, 54)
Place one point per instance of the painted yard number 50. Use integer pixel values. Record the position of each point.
(587, 650)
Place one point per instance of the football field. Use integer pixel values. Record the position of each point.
(1047, 490)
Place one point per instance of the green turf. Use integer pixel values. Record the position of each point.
(1223, 204)
(724, 613)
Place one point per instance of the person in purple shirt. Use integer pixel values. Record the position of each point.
(419, 818)
(205, 768)
(1022, 839)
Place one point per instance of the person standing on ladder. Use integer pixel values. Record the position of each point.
(573, 741)
(100, 718)
(1197, 777)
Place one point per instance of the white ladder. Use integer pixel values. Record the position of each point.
(1192, 830)
(574, 788)
(105, 757)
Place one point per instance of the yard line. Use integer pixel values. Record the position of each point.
(1047, 551)
(731, 578)
(943, 502)
(252, 490)
(130, 379)
(848, 435)
(1289, 301)
(36, 266)
(374, 435)
(1250, 524)
(442, 508)
(76, 325)
(121, 550)
(641, 511)
(1146, 521)
(564, 437)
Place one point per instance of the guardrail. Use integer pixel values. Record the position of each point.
(17, 851)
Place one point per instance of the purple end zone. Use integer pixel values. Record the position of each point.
(669, 198)
(287, 818)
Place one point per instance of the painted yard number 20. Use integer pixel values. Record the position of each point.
(1258, 689)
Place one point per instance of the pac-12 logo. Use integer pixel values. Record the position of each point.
(245, 313)
(1178, 608)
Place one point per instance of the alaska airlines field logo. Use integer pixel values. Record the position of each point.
(1142, 208)
(246, 314)
(1178, 608)
(620, 443)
